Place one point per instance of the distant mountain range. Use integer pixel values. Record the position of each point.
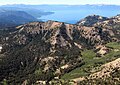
(32, 10)
(61, 7)
(14, 18)
(64, 13)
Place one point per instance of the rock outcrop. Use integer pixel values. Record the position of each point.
(91, 20)
(52, 48)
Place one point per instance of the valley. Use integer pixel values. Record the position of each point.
(58, 53)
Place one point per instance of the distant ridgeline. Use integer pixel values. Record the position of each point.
(48, 53)
(14, 18)
(11, 16)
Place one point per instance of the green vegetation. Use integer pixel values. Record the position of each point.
(38, 52)
(88, 57)
(4, 82)
(113, 45)
(92, 63)
(38, 72)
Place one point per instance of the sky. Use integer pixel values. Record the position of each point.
(69, 2)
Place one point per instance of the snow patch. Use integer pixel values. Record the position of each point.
(0, 48)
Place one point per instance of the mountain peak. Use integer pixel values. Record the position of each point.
(52, 49)
(91, 20)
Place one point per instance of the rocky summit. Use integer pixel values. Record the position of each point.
(52, 52)
(91, 20)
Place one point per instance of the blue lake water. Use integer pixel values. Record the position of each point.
(72, 16)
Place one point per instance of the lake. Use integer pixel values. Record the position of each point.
(72, 16)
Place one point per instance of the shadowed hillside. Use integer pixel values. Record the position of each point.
(55, 52)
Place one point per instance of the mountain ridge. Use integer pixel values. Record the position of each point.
(14, 18)
(53, 49)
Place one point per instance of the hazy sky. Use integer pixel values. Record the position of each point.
(73, 2)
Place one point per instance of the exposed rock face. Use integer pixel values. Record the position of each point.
(110, 22)
(106, 69)
(91, 20)
(51, 48)
(44, 45)
(63, 34)
(102, 50)
(111, 26)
